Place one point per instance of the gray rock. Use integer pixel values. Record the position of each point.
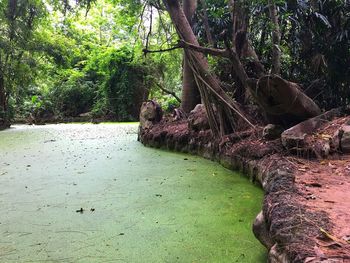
(295, 136)
(277, 256)
(335, 142)
(261, 231)
(272, 131)
(344, 134)
(150, 113)
(198, 119)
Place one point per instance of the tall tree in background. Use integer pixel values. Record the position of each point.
(18, 20)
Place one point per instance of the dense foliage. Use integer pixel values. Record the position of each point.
(59, 59)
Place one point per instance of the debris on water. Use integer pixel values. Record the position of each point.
(121, 234)
(92, 209)
(159, 195)
(185, 159)
(49, 141)
(81, 210)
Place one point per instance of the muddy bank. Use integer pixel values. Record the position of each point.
(294, 224)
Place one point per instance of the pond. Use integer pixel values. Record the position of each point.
(92, 193)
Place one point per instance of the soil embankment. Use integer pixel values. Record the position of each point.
(305, 215)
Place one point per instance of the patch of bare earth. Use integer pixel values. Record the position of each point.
(325, 186)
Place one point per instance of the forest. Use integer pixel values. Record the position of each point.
(62, 59)
(260, 86)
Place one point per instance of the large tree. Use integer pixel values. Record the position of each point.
(190, 93)
(247, 70)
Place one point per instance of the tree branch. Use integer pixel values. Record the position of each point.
(168, 92)
(205, 50)
(146, 51)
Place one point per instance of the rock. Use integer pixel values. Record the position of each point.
(198, 119)
(283, 101)
(261, 231)
(272, 131)
(293, 140)
(178, 114)
(344, 135)
(275, 256)
(335, 142)
(295, 136)
(150, 113)
(85, 114)
(322, 148)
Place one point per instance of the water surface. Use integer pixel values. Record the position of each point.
(92, 193)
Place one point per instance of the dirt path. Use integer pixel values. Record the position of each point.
(325, 186)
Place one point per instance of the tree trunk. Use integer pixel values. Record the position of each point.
(207, 83)
(243, 47)
(205, 18)
(190, 93)
(3, 104)
(276, 39)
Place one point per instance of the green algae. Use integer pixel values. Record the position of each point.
(139, 204)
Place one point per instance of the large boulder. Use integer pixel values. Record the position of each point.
(150, 113)
(300, 138)
(283, 101)
(295, 136)
(198, 119)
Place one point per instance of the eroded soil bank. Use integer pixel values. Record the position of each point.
(92, 193)
(306, 211)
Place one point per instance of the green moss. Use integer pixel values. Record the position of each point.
(150, 205)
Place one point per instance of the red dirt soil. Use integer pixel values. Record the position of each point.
(325, 185)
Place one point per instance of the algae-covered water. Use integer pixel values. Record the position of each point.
(92, 193)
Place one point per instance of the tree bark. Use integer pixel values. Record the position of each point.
(3, 104)
(276, 39)
(243, 48)
(190, 94)
(208, 84)
(206, 24)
